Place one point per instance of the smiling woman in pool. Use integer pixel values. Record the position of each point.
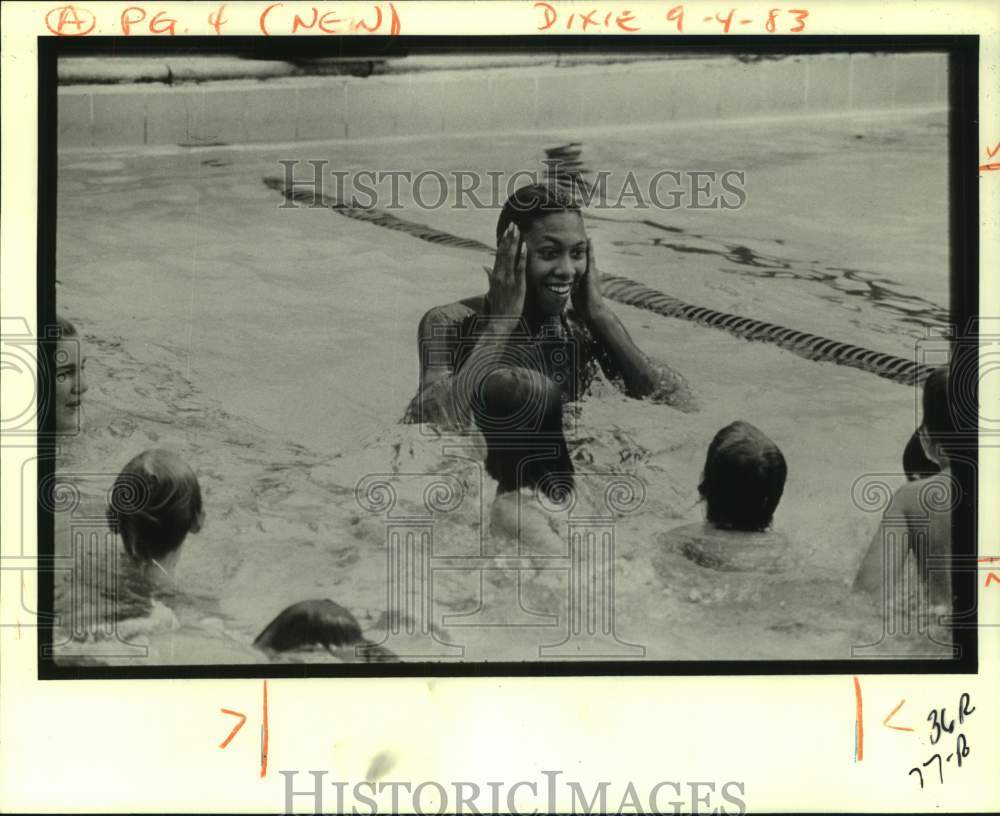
(506, 361)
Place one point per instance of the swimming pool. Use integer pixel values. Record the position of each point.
(274, 349)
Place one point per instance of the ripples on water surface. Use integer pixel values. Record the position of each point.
(274, 351)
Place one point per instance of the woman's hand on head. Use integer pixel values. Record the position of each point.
(588, 301)
(507, 280)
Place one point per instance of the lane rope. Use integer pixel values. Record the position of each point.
(631, 293)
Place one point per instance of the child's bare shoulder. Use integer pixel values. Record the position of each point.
(920, 498)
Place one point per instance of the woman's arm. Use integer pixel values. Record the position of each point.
(619, 356)
(445, 396)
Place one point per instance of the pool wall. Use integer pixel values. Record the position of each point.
(505, 100)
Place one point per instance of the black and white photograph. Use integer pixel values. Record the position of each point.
(534, 355)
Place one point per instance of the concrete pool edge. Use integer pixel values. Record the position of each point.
(504, 100)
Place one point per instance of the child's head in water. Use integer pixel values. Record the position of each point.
(525, 445)
(922, 456)
(916, 463)
(743, 479)
(938, 422)
(70, 384)
(153, 505)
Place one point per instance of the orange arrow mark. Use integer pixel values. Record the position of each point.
(263, 737)
(885, 722)
(992, 577)
(239, 725)
(859, 724)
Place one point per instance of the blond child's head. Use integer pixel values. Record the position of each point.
(70, 384)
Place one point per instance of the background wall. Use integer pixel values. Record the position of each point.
(436, 98)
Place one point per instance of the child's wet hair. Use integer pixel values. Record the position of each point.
(154, 503)
(916, 463)
(743, 478)
(938, 418)
(527, 461)
(526, 449)
(528, 204)
(65, 327)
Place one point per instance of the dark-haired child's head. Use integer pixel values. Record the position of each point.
(522, 426)
(154, 503)
(938, 420)
(551, 224)
(916, 463)
(529, 461)
(743, 478)
(938, 423)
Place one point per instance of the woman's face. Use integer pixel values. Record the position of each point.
(70, 384)
(557, 259)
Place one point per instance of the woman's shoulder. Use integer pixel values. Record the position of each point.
(453, 314)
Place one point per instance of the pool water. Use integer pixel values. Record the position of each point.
(274, 349)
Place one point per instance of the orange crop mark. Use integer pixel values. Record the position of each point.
(885, 722)
(264, 737)
(992, 577)
(264, 733)
(239, 725)
(989, 559)
(990, 153)
(859, 751)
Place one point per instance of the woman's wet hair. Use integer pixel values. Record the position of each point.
(154, 503)
(528, 204)
(743, 479)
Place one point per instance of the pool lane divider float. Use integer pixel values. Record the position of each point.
(631, 293)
